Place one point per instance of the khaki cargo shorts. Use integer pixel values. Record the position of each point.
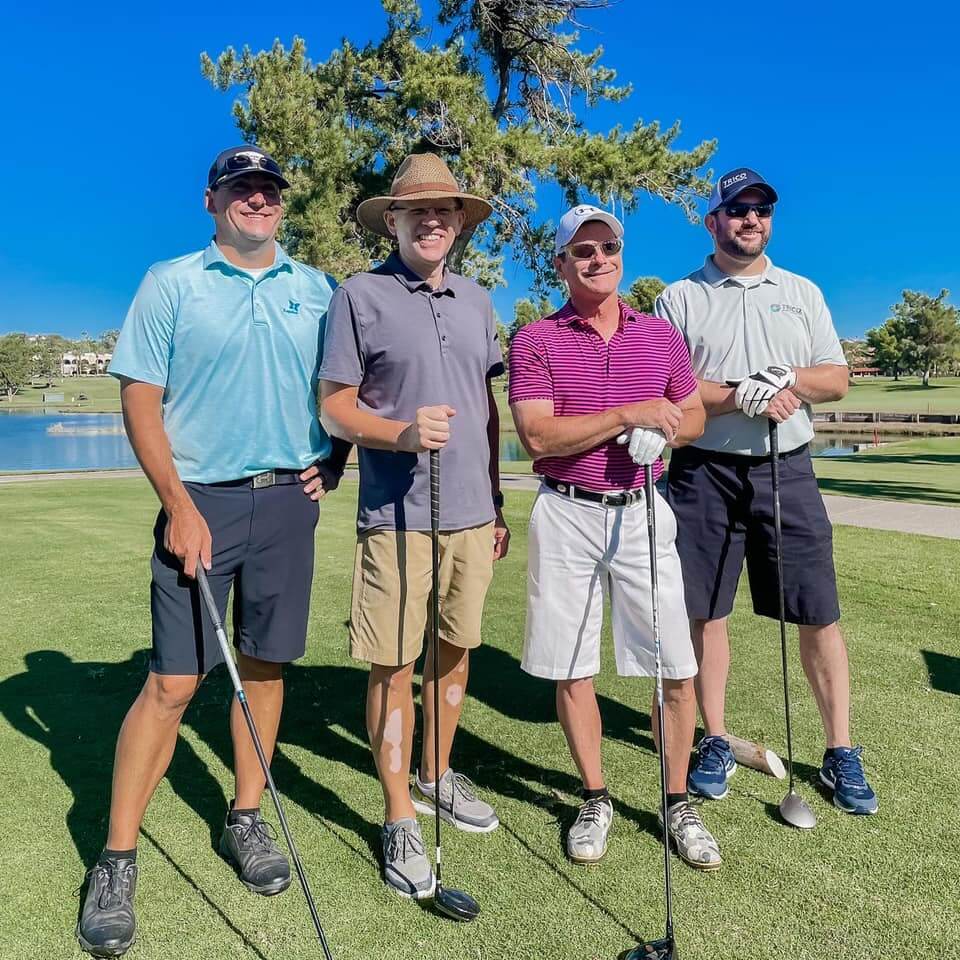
(391, 591)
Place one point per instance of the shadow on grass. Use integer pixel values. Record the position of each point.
(74, 710)
(887, 490)
(944, 671)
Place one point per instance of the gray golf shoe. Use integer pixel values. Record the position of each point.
(107, 924)
(587, 837)
(694, 842)
(406, 868)
(459, 803)
(248, 845)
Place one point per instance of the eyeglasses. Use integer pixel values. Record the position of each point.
(587, 249)
(249, 161)
(738, 211)
(442, 212)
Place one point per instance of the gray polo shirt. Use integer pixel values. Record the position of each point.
(735, 326)
(408, 346)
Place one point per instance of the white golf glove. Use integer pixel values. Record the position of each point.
(756, 391)
(644, 445)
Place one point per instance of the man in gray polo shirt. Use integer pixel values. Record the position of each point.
(408, 355)
(769, 331)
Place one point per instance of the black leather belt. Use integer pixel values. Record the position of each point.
(615, 498)
(269, 478)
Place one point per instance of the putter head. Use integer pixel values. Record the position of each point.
(664, 949)
(796, 812)
(456, 904)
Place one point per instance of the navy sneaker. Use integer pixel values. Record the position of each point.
(842, 772)
(713, 768)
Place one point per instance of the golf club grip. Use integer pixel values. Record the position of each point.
(214, 614)
(435, 490)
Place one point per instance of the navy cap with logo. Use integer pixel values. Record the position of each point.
(726, 189)
(242, 161)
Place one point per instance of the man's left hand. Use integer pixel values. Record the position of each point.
(319, 480)
(501, 537)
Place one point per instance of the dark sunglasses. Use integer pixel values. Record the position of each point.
(587, 249)
(246, 161)
(739, 210)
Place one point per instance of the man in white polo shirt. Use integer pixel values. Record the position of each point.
(746, 321)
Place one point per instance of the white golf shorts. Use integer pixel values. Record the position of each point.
(580, 552)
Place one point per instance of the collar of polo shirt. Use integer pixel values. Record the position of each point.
(413, 282)
(567, 315)
(213, 256)
(717, 278)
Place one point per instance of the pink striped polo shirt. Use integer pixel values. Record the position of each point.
(563, 359)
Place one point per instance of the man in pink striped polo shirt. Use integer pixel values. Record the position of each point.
(581, 378)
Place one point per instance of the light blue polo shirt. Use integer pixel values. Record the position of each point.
(237, 358)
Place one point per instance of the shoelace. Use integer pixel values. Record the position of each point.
(687, 819)
(403, 843)
(849, 768)
(592, 811)
(258, 834)
(114, 884)
(712, 755)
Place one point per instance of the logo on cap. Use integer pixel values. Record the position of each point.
(730, 181)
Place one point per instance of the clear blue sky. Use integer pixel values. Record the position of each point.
(849, 110)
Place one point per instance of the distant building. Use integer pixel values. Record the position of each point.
(865, 371)
(76, 364)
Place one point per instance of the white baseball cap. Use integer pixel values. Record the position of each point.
(577, 216)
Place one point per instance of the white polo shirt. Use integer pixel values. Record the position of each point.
(734, 326)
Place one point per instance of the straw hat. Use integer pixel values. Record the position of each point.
(422, 176)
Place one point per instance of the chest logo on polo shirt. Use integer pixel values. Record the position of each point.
(788, 307)
(293, 307)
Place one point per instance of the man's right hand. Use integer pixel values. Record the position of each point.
(187, 537)
(659, 414)
(429, 431)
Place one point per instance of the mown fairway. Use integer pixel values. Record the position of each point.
(74, 626)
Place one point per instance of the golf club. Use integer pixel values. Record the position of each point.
(793, 808)
(454, 904)
(664, 949)
(214, 613)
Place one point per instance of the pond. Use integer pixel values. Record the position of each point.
(33, 440)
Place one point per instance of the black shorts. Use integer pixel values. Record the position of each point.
(263, 548)
(724, 509)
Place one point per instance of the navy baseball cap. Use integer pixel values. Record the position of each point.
(241, 161)
(735, 182)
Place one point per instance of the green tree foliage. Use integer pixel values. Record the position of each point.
(16, 362)
(644, 292)
(499, 101)
(887, 345)
(528, 311)
(932, 331)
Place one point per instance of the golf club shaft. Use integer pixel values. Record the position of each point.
(258, 746)
(435, 629)
(650, 494)
(778, 539)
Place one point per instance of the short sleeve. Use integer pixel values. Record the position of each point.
(143, 349)
(495, 366)
(530, 377)
(682, 382)
(666, 310)
(342, 342)
(826, 346)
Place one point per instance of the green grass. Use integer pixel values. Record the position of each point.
(103, 393)
(907, 395)
(924, 471)
(74, 625)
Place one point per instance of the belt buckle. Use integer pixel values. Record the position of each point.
(262, 480)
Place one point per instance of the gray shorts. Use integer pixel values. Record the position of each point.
(263, 548)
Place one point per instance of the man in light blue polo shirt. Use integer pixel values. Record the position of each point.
(218, 361)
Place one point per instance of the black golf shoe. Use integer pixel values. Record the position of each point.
(248, 845)
(108, 924)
